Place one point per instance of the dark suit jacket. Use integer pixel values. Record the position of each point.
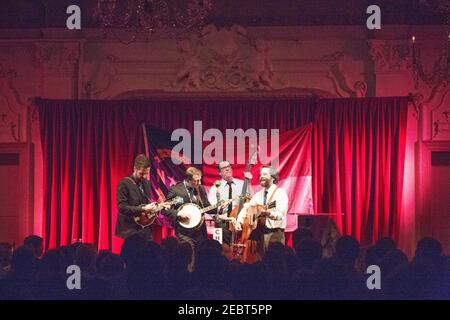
(179, 189)
(130, 201)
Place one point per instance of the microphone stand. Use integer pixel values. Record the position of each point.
(217, 184)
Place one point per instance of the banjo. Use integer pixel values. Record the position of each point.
(190, 216)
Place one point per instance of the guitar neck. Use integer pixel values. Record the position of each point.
(215, 206)
(203, 210)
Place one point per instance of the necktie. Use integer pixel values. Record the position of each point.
(265, 197)
(230, 195)
(192, 194)
(141, 187)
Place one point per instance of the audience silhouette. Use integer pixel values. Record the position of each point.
(147, 270)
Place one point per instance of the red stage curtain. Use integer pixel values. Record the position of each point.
(89, 145)
(358, 156)
(358, 161)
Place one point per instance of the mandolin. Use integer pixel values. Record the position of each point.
(147, 218)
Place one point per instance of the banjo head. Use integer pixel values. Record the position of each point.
(193, 212)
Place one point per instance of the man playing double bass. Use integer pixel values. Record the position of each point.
(227, 188)
(275, 222)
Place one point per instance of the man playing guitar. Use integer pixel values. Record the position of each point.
(274, 203)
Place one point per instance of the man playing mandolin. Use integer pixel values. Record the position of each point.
(132, 198)
(269, 208)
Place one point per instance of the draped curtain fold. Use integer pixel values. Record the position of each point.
(358, 163)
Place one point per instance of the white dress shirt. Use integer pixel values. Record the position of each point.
(236, 190)
(277, 218)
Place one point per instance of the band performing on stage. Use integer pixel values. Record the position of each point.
(249, 223)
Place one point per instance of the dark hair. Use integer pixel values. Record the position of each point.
(141, 162)
(273, 173)
(33, 241)
(429, 247)
(191, 172)
(347, 249)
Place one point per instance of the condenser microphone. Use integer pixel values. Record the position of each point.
(217, 184)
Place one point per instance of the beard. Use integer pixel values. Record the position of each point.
(264, 183)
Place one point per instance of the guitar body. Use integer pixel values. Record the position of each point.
(254, 219)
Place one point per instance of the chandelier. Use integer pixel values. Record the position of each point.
(149, 16)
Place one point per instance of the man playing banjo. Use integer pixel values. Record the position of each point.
(192, 192)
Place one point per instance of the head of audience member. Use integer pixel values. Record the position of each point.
(23, 263)
(68, 253)
(251, 282)
(85, 257)
(102, 254)
(370, 256)
(384, 246)
(53, 263)
(275, 262)
(182, 258)
(331, 280)
(131, 246)
(209, 269)
(145, 272)
(392, 262)
(347, 251)
(168, 247)
(309, 252)
(110, 265)
(300, 234)
(429, 248)
(209, 257)
(35, 243)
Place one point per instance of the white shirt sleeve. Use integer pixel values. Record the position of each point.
(242, 214)
(212, 195)
(279, 213)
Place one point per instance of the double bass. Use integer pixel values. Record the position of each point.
(241, 246)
